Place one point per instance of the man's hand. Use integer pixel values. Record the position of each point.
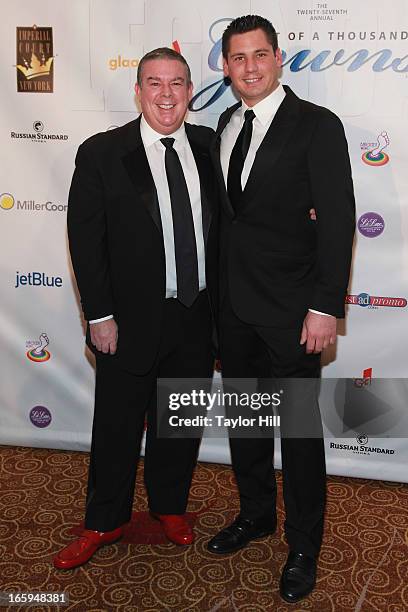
(104, 336)
(318, 332)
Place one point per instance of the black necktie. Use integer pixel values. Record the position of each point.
(183, 227)
(237, 159)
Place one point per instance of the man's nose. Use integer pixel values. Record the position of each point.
(251, 65)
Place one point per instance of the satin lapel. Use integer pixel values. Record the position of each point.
(216, 156)
(138, 169)
(278, 134)
(204, 167)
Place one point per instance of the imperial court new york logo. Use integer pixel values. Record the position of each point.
(35, 59)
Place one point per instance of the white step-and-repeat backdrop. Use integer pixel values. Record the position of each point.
(68, 70)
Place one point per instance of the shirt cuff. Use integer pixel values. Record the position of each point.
(325, 314)
(100, 320)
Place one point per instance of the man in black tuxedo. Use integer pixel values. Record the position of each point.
(283, 281)
(143, 241)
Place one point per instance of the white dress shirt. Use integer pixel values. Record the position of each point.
(265, 111)
(155, 151)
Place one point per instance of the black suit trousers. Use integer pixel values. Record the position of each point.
(122, 401)
(268, 354)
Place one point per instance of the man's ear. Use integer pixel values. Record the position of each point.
(278, 57)
(225, 67)
(137, 89)
(190, 91)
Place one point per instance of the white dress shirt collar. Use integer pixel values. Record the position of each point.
(150, 136)
(266, 108)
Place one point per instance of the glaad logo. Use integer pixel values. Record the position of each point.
(37, 279)
(39, 135)
(371, 225)
(375, 156)
(39, 353)
(40, 416)
(7, 202)
(114, 63)
(35, 60)
(374, 301)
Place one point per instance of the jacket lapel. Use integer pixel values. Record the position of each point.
(204, 168)
(278, 134)
(216, 156)
(138, 169)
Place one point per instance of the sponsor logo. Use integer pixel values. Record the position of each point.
(35, 60)
(374, 154)
(375, 301)
(371, 225)
(365, 380)
(37, 279)
(362, 448)
(36, 349)
(7, 202)
(38, 134)
(40, 416)
(115, 63)
(302, 59)
(122, 62)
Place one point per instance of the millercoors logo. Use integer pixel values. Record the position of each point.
(35, 61)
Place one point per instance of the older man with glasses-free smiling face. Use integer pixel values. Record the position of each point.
(143, 236)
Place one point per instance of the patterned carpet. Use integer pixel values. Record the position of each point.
(363, 564)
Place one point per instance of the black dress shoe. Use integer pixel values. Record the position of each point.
(298, 577)
(239, 533)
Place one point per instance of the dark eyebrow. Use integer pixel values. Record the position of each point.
(153, 78)
(243, 52)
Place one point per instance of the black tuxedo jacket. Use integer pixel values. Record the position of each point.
(276, 262)
(116, 239)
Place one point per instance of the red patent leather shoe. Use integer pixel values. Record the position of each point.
(81, 550)
(176, 528)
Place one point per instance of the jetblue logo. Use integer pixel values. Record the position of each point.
(37, 279)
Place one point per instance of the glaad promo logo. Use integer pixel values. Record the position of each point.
(36, 349)
(375, 155)
(8, 201)
(37, 279)
(371, 225)
(35, 60)
(375, 301)
(40, 416)
(38, 134)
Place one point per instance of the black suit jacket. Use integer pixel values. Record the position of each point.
(116, 239)
(276, 261)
